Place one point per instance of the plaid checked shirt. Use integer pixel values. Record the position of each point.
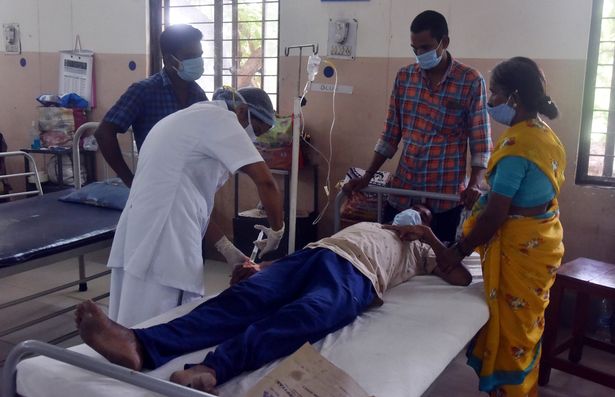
(435, 126)
(148, 101)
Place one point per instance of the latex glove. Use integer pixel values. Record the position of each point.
(231, 254)
(272, 240)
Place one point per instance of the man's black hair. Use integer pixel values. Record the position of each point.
(176, 36)
(432, 21)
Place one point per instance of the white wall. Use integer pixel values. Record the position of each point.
(105, 26)
(544, 29)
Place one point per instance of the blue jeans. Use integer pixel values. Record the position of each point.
(300, 298)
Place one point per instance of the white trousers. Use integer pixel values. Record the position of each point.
(133, 300)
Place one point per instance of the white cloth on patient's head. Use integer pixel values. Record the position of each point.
(408, 217)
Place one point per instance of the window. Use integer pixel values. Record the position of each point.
(240, 40)
(597, 142)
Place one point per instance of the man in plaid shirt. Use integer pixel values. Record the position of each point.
(148, 101)
(437, 109)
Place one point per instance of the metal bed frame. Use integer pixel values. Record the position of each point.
(166, 388)
(28, 157)
(380, 191)
(29, 347)
(55, 257)
(34, 347)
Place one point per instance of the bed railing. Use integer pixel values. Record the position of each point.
(92, 125)
(9, 378)
(34, 173)
(380, 191)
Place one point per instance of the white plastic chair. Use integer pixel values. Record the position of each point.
(37, 182)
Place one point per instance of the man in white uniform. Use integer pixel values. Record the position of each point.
(156, 257)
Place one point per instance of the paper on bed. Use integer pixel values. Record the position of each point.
(396, 350)
(305, 373)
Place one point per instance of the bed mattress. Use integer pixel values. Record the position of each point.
(394, 350)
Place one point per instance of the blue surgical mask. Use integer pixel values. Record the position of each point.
(190, 69)
(430, 59)
(408, 217)
(502, 113)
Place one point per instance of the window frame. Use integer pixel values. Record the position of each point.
(159, 16)
(591, 73)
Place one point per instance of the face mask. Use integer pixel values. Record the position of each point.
(190, 69)
(249, 129)
(408, 217)
(502, 113)
(430, 59)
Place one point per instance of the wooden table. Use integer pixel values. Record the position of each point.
(584, 277)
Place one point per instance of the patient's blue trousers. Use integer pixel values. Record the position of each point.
(298, 299)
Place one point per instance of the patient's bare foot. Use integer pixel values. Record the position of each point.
(116, 343)
(198, 377)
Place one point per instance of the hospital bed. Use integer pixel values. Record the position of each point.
(42, 230)
(394, 350)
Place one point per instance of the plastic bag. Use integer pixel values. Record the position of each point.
(281, 134)
(276, 145)
(89, 143)
(56, 119)
(66, 169)
(364, 206)
(58, 125)
(56, 138)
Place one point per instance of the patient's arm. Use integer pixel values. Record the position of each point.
(246, 269)
(459, 275)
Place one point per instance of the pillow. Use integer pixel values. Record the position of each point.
(110, 194)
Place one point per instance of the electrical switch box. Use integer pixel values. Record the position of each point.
(11, 38)
(342, 41)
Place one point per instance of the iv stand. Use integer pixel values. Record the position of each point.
(294, 170)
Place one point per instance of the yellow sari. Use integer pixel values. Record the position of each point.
(519, 265)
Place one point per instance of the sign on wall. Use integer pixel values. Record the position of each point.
(77, 73)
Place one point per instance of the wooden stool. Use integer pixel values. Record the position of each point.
(584, 277)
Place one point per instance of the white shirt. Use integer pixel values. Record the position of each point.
(185, 159)
(380, 255)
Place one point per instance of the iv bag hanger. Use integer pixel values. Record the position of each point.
(314, 48)
(294, 169)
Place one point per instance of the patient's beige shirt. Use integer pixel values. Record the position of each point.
(379, 254)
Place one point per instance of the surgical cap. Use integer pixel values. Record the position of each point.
(257, 100)
(408, 217)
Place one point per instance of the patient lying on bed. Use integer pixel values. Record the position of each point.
(270, 314)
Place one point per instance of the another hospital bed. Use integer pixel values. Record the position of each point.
(395, 350)
(42, 230)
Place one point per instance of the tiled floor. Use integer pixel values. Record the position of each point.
(27, 283)
(457, 379)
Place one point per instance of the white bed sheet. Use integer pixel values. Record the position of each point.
(395, 350)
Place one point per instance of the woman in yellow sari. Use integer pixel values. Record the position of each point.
(516, 230)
